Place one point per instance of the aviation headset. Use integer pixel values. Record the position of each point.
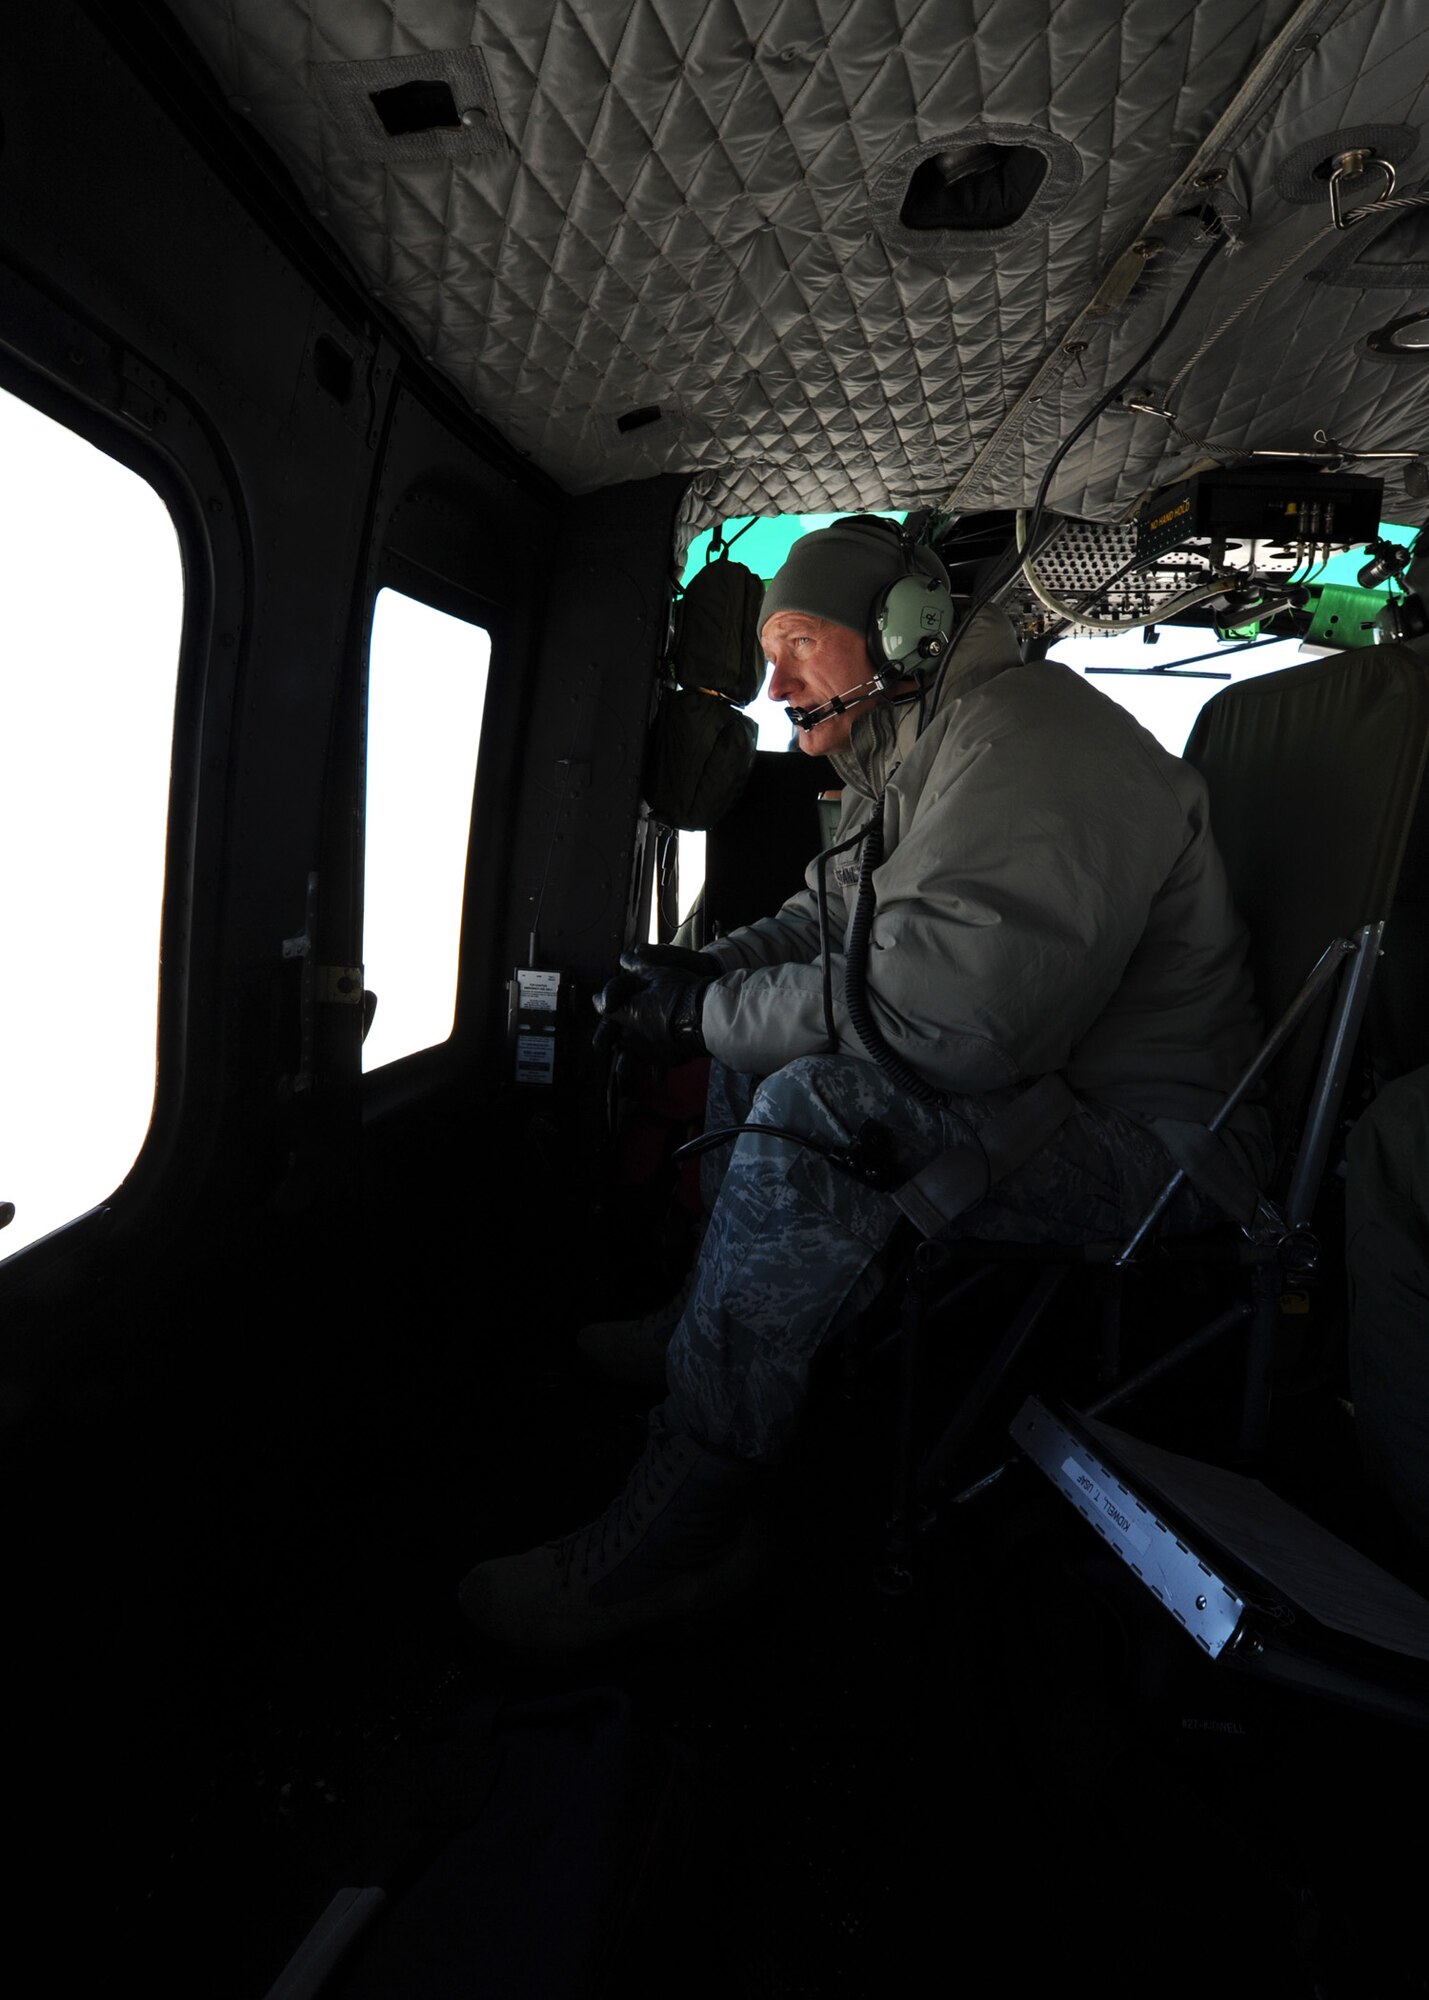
(909, 628)
(911, 620)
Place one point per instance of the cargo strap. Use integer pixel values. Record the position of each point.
(958, 1178)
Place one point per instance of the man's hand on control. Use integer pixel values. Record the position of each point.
(673, 958)
(651, 1008)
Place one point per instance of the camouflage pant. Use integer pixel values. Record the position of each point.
(791, 1252)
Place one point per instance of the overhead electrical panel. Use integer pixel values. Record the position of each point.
(1224, 547)
(1289, 508)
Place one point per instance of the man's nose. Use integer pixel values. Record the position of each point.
(783, 681)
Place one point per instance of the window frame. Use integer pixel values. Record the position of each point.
(146, 425)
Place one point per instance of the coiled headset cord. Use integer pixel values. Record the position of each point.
(821, 862)
(856, 1001)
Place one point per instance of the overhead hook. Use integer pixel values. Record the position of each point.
(1352, 166)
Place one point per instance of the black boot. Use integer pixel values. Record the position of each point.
(675, 1541)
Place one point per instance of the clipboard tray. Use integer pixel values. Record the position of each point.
(1255, 1583)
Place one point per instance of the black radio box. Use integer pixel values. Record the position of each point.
(1264, 503)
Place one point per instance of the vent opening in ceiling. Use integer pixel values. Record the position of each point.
(419, 106)
(971, 192)
(988, 188)
(435, 105)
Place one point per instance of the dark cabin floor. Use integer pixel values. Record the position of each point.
(1020, 1773)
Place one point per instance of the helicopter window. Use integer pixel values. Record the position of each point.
(425, 692)
(1164, 695)
(87, 684)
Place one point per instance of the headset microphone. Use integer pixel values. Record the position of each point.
(810, 718)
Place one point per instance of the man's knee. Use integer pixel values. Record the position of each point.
(833, 1095)
(791, 1095)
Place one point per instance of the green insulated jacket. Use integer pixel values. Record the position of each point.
(1050, 898)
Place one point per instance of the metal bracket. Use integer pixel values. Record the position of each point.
(1188, 1583)
(301, 947)
(339, 985)
(141, 392)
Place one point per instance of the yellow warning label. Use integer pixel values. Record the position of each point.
(1181, 507)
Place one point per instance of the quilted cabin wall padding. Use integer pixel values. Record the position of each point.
(680, 213)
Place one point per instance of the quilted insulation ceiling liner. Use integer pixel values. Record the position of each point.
(692, 206)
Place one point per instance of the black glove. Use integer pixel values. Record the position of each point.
(672, 958)
(652, 1009)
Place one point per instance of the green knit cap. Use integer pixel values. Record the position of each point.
(837, 572)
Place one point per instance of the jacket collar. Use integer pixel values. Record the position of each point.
(883, 735)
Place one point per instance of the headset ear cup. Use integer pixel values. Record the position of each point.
(912, 622)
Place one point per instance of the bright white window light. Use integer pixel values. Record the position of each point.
(90, 615)
(1165, 704)
(426, 688)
